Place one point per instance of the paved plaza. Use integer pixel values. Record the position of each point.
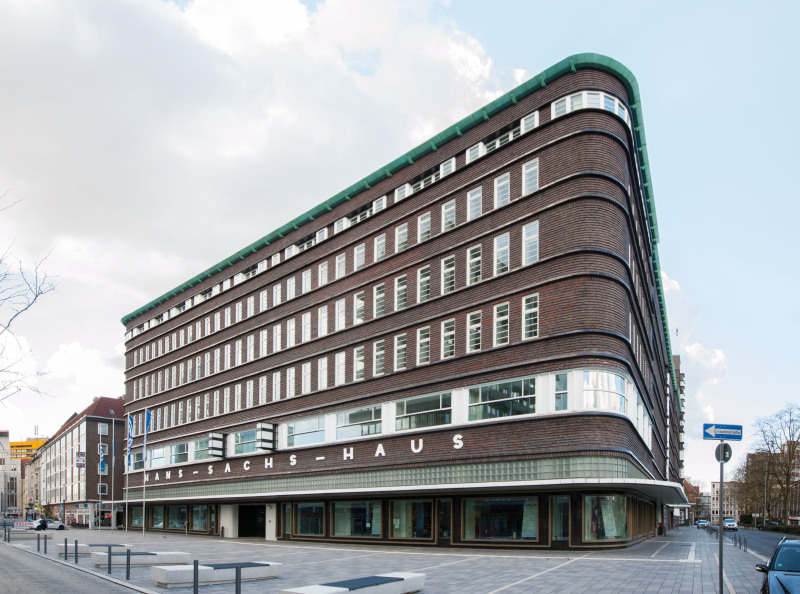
(685, 560)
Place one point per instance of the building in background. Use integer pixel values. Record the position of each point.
(77, 477)
(467, 346)
(26, 449)
(10, 480)
(728, 506)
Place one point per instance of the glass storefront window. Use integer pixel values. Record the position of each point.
(605, 517)
(176, 517)
(412, 519)
(423, 411)
(503, 400)
(603, 390)
(158, 517)
(357, 518)
(306, 431)
(135, 516)
(201, 449)
(199, 517)
(501, 518)
(244, 442)
(178, 453)
(310, 519)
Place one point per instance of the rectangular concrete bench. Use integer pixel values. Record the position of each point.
(182, 576)
(85, 549)
(387, 583)
(141, 558)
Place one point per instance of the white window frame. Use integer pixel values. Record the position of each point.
(502, 254)
(340, 320)
(340, 362)
(322, 273)
(400, 280)
(341, 265)
(424, 284)
(378, 358)
(378, 300)
(502, 190)
(448, 339)
(359, 256)
(448, 274)
(530, 177)
(502, 324)
(530, 307)
(401, 238)
(322, 373)
(359, 371)
(424, 345)
(400, 346)
(530, 243)
(305, 281)
(359, 308)
(379, 250)
(322, 321)
(424, 227)
(305, 326)
(474, 197)
(474, 321)
(448, 215)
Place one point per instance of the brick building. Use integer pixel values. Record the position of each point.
(468, 346)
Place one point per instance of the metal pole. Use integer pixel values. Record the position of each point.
(721, 499)
(196, 588)
(38, 543)
(45, 544)
(66, 550)
(109, 559)
(238, 579)
(113, 520)
(127, 564)
(764, 519)
(76, 550)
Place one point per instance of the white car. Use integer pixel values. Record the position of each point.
(730, 524)
(50, 525)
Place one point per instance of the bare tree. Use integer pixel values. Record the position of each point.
(752, 486)
(779, 437)
(20, 289)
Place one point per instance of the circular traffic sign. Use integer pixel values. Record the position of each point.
(723, 452)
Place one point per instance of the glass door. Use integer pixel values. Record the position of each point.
(443, 507)
(559, 520)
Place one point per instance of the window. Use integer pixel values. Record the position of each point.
(530, 177)
(423, 284)
(157, 458)
(244, 442)
(276, 300)
(306, 432)
(502, 191)
(506, 399)
(262, 306)
(340, 314)
(378, 358)
(378, 301)
(276, 338)
(448, 339)
(501, 518)
(290, 287)
(530, 316)
(262, 390)
(251, 350)
(341, 225)
(604, 390)
(341, 265)
(322, 321)
(529, 122)
(359, 422)
(447, 167)
(322, 274)
(379, 252)
(423, 411)
(473, 265)
(605, 517)
(305, 281)
(401, 237)
(290, 382)
(561, 391)
(359, 256)
(322, 373)
(358, 308)
(305, 331)
(340, 369)
(400, 292)
(530, 243)
(412, 518)
(501, 258)
(448, 274)
(291, 334)
(474, 332)
(448, 215)
(305, 381)
(501, 324)
(423, 227)
(275, 259)
(399, 352)
(358, 363)
(102, 488)
(424, 345)
(474, 203)
(321, 235)
(179, 453)
(379, 204)
(589, 99)
(476, 152)
(402, 192)
(201, 449)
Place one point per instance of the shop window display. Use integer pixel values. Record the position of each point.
(501, 519)
(605, 517)
(412, 519)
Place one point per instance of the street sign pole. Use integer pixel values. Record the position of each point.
(723, 454)
(721, 458)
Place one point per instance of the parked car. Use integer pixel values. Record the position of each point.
(46, 525)
(702, 523)
(730, 524)
(783, 569)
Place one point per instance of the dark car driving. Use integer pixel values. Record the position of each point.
(782, 571)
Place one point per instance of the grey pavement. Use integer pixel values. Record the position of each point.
(684, 560)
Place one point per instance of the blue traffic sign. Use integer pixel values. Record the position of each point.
(717, 431)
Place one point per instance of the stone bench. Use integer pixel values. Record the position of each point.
(387, 583)
(182, 576)
(141, 558)
(84, 549)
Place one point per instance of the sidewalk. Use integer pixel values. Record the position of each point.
(685, 560)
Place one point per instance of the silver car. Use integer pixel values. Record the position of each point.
(730, 524)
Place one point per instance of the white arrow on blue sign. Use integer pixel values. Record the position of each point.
(716, 431)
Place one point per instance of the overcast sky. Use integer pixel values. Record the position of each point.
(148, 140)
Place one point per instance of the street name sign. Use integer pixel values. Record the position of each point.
(717, 431)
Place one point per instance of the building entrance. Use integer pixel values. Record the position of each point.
(252, 520)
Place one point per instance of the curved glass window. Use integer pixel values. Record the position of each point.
(604, 391)
(503, 400)
(605, 517)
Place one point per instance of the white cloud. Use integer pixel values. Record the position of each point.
(713, 360)
(669, 284)
(520, 75)
(87, 372)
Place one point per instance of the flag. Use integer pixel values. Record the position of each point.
(147, 416)
(102, 461)
(130, 438)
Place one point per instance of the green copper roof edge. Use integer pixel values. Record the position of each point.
(565, 66)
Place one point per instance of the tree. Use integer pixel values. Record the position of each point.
(20, 289)
(779, 439)
(752, 487)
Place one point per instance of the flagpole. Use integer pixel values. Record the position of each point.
(127, 470)
(113, 518)
(144, 469)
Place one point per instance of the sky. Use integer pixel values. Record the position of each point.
(143, 141)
